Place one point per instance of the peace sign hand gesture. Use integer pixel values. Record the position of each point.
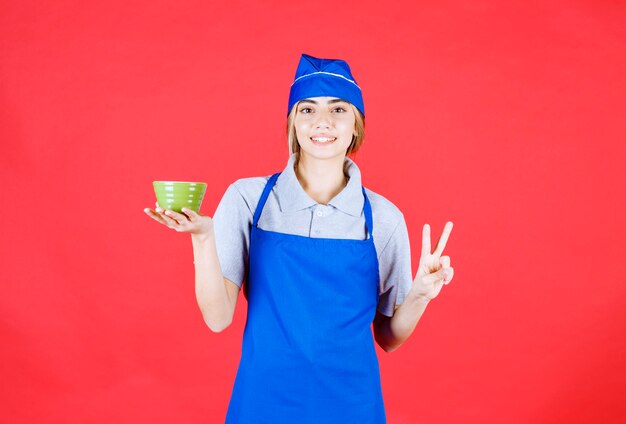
(434, 270)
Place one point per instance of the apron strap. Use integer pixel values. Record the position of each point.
(264, 196)
(367, 210)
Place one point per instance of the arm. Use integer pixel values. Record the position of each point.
(216, 295)
(391, 332)
(433, 272)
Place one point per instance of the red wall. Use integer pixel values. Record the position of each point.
(506, 119)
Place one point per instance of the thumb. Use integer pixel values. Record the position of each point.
(438, 276)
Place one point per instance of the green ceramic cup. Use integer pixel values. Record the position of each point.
(175, 195)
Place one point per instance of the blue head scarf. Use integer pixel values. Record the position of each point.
(324, 77)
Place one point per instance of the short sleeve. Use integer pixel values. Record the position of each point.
(395, 269)
(231, 224)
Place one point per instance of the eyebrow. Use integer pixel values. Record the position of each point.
(329, 102)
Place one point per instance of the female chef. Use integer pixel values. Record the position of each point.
(322, 259)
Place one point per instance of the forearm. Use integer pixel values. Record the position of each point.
(211, 292)
(394, 331)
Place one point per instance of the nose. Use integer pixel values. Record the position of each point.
(323, 119)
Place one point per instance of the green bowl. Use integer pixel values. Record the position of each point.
(175, 195)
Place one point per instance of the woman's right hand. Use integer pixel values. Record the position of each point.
(187, 222)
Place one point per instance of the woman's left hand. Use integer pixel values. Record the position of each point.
(434, 270)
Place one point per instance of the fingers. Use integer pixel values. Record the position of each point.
(178, 218)
(170, 218)
(443, 239)
(444, 275)
(444, 261)
(157, 208)
(156, 216)
(426, 240)
(448, 275)
(437, 277)
(187, 213)
(191, 215)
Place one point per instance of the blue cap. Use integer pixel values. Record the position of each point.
(324, 77)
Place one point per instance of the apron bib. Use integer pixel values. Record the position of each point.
(308, 353)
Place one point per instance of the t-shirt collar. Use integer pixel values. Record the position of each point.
(292, 197)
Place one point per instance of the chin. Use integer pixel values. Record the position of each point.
(322, 153)
(332, 149)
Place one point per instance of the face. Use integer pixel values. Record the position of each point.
(324, 126)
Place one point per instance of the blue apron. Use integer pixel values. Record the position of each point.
(308, 354)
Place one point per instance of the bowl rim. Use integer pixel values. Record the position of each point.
(179, 182)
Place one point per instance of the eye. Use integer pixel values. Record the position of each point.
(340, 108)
(305, 108)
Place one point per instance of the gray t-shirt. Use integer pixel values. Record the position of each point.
(289, 209)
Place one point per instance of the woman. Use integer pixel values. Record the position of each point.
(323, 258)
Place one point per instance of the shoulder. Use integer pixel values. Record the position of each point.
(250, 189)
(251, 185)
(384, 211)
(389, 225)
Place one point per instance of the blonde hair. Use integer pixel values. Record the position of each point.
(357, 141)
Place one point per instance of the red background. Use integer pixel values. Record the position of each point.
(506, 119)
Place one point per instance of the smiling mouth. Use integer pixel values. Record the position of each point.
(322, 140)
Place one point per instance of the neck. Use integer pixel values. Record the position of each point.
(321, 179)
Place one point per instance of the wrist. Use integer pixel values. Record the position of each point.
(418, 298)
(202, 238)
